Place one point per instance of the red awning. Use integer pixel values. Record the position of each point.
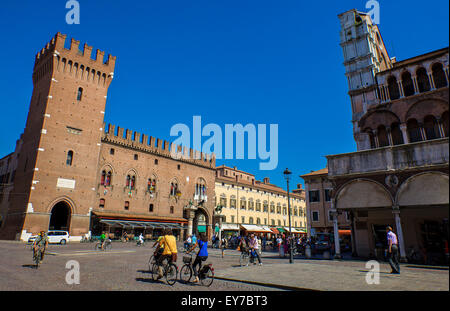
(345, 232)
(275, 230)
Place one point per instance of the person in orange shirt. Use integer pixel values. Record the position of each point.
(169, 244)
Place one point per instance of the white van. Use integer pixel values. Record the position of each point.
(54, 236)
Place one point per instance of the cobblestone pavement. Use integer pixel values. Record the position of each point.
(124, 267)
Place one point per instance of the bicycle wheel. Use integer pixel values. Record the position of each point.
(207, 277)
(185, 273)
(151, 261)
(37, 258)
(243, 260)
(108, 246)
(171, 274)
(155, 272)
(97, 246)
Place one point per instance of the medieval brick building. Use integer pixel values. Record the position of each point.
(78, 174)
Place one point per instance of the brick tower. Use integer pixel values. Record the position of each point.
(56, 173)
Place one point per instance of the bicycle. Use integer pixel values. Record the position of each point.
(246, 258)
(37, 257)
(205, 275)
(170, 271)
(107, 245)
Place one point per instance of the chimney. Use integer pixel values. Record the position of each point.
(266, 180)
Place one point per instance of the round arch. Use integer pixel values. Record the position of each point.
(429, 188)
(377, 118)
(363, 193)
(419, 110)
(61, 211)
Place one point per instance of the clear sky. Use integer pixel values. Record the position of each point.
(228, 61)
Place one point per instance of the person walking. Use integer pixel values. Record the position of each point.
(223, 245)
(280, 246)
(393, 251)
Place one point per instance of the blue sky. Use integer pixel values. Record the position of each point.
(233, 61)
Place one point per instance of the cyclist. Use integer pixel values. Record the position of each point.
(254, 248)
(202, 254)
(169, 244)
(102, 240)
(159, 249)
(41, 244)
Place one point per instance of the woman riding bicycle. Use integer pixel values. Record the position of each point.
(202, 254)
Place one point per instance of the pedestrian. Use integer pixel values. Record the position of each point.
(264, 242)
(393, 251)
(285, 246)
(258, 238)
(223, 245)
(280, 246)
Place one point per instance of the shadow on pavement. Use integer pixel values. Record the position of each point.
(30, 266)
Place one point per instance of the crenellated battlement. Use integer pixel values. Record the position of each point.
(56, 47)
(134, 140)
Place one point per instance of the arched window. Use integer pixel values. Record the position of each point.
(396, 134)
(278, 208)
(383, 140)
(200, 189)
(127, 205)
(371, 138)
(414, 131)
(445, 124)
(174, 188)
(79, 93)
(272, 221)
(102, 203)
(250, 221)
(408, 84)
(131, 181)
(258, 221)
(243, 204)
(422, 80)
(431, 127)
(394, 92)
(69, 158)
(272, 207)
(439, 76)
(151, 185)
(150, 208)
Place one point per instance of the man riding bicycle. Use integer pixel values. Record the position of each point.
(40, 244)
(169, 244)
(102, 240)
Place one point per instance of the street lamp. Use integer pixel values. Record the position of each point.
(287, 175)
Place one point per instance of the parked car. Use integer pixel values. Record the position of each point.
(54, 236)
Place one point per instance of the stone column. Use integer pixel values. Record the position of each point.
(337, 246)
(191, 214)
(416, 88)
(403, 128)
(398, 225)
(433, 87)
(441, 127)
(389, 135)
(353, 231)
(400, 87)
(422, 132)
(375, 138)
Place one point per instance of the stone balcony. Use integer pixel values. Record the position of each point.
(402, 157)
